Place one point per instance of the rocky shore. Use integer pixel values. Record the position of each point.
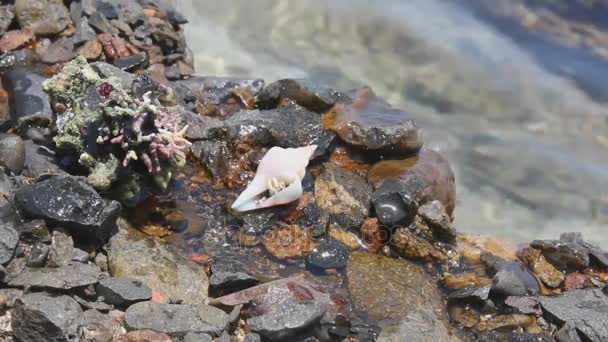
(120, 167)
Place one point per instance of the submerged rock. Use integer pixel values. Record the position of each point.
(57, 278)
(134, 255)
(123, 292)
(175, 319)
(345, 195)
(69, 202)
(420, 325)
(44, 317)
(328, 253)
(389, 288)
(229, 275)
(313, 97)
(414, 247)
(372, 123)
(286, 319)
(425, 178)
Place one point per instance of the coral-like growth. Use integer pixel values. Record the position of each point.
(114, 133)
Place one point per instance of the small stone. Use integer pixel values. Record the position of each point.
(288, 242)
(420, 325)
(62, 249)
(80, 256)
(184, 68)
(123, 292)
(12, 153)
(344, 194)
(44, 317)
(147, 335)
(524, 304)
(39, 161)
(45, 17)
(461, 280)
(7, 13)
(328, 253)
(106, 70)
(512, 279)
(471, 294)
(252, 337)
(197, 337)
(60, 278)
(284, 320)
(511, 321)
(84, 32)
(315, 98)
(349, 239)
(9, 238)
(435, 216)
(546, 272)
(373, 234)
(576, 280)
(175, 319)
(14, 39)
(30, 105)
(10, 297)
(229, 275)
(101, 260)
(564, 255)
(97, 306)
(130, 62)
(38, 255)
(107, 8)
(172, 72)
(123, 27)
(34, 231)
(96, 327)
(102, 24)
(59, 51)
(413, 247)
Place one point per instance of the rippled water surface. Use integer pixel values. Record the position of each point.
(521, 119)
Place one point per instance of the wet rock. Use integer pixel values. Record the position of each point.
(392, 203)
(563, 255)
(576, 280)
(512, 278)
(398, 286)
(372, 123)
(14, 39)
(172, 72)
(132, 254)
(420, 325)
(461, 280)
(344, 194)
(12, 153)
(62, 249)
(199, 127)
(71, 203)
(436, 217)
(315, 98)
(328, 253)
(472, 247)
(567, 333)
(80, 256)
(229, 275)
(258, 221)
(524, 304)
(59, 278)
(175, 319)
(29, 104)
(7, 13)
(43, 317)
(130, 62)
(413, 247)
(510, 321)
(471, 294)
(546, 272)
(96, 327)
(45, 17)
(286, 319)
(39, 161)
(59, 51)
(425, 177)
(123, 292)
(9, 238)
(373, 234)
(38, 255)
(349, 239)
(288, 242)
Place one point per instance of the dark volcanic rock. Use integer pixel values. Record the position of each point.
(392, 203)
(329, 253)
(313, 97)
(8, 243)
(59, 278)
(29, 104)
(12, 153)
(38, 255)
(33, 232)
(229, 275)
(130, 62)
(42, 317)
(372, 123)
(7, 13)
(587, 310)
(123, 291)
(287, 319)
(43, 16)
(176, 320)
(69, 202)
(199, 127)
(39, 161)
(563, 255)
(344, 194)
(62, 249)
(512, 279)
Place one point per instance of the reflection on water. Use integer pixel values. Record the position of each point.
(518, 116)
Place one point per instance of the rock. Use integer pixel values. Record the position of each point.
(472, 247)
(221, 87)
(197, 337)
(59, 51)
(12, 153)
(176, 319)
(39, 161)
(45, 17)
(96, 327)
(71, 203)
(564, 255)
(84, 32)
(29, 104)
(14, 39)
(328, 253)
(229, 275)
(7, 13)
(130, 62)
(252, 337)
(576, 280)
(371, 123)
(344, 194)
(373, 234)
(413, 247)
(9, 238)
(424, 178)
(80, 256)
(109, 9)
(147, 336)
(461, 280)
(106, 70)
(10, 297)
(567, 333)
(132, 254)
(436, 217)
(398, 286)
(123, 292)
(62, 249)
(537, 263)
(349, 239)
(510, 321)
(199, 127)
(393, 205)
(90, 50)
(60, 278)
(286, 319)
(420, 325)
(38, 255)
(471, 294)
(512, 278)
(286, 242)
(43, 317)
(524, 304)
(315, 98)
(102, 24)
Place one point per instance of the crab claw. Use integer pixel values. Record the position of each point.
(278, 179)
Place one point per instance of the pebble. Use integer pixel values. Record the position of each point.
(305, 93)
(12, 153)
(564, 255)
(62, 249)
(327, 254)
(147, 335)
(512, 279)
(123, 292)
(80, 256)
(96, 326)
(284, 320)
(197, 337)
(38, 255)
(229, 275)
(9, 238)
(547, 273)
(437, 218)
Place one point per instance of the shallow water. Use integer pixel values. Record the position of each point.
(520, 120)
